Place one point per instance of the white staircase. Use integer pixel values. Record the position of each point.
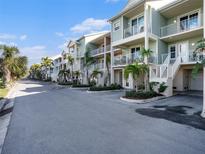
(165, 72)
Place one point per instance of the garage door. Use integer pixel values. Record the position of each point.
(197, 82)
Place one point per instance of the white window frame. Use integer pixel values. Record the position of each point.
(188, 14)
(114, 28)
(176, 51)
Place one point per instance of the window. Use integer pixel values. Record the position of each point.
(117, 26)
(173, 51)
(138, 25)
(135, 53)
(71, 50)
(189, 21)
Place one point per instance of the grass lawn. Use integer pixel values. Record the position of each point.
(3, 93)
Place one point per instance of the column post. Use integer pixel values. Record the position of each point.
(203, 109)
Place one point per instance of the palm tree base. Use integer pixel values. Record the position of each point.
(203, 114)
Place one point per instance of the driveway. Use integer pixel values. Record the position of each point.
(48, 120)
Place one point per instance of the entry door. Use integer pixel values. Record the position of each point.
(173, 51)
(184, 51)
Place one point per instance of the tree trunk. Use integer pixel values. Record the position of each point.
(108, 73)
(203, 109)
(6, 76)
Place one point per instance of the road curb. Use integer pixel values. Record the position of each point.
(5, 119)
(142, 101)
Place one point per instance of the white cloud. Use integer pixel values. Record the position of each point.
(7, 37)
(23, 37)
(90, 25)
(112, 1)
(60, 34)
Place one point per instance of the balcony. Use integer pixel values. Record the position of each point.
(99, 66)
(126, 59)
(133, 30)
(100, 50)
(181, 27)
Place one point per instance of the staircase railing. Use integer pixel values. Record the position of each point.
(175, 66)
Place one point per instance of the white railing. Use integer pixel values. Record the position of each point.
(133, 30)
(100, 50)
(175, 66)
(97, 51)
(126, 59)
(98, 65)
(196, 57)
(182, 26)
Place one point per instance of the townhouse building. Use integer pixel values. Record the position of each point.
(171, 29)
(98, 44)
(57, 66)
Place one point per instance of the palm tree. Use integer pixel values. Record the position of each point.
(88, 61)
(136, 70)
(108, 61)
(13, 66)
(77, 76)
(47, 64)
(146, 54)
(63, 75)
(35, 71)
(71, 62)
(200, 48)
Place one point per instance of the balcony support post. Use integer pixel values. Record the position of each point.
(146, 25)
(112, 64)
(203, 109)
(105, 51)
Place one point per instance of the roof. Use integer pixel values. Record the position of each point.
(91, 34)
(130, 5)
(56, 57)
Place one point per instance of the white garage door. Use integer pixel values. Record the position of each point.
(197, 82)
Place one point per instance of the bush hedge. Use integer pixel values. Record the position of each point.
(81, 86)
(65, 83)
(105, 88)
(141, 94)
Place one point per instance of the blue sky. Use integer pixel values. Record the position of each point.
(41, 27)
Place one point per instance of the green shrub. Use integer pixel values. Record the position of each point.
(162, 87)
(141, 94)
(152, 85)
(104, 88)
(81, 86)
(65, 83)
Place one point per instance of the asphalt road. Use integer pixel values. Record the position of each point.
(53, 120)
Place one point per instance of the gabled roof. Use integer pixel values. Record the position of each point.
(130, 5)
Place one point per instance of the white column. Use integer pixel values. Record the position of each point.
(146, 25)
(112, 61)
(105, 51)
(203, 109)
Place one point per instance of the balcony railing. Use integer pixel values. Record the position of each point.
(133, 30)
(98, 65)
(182, 26)
(100, 50)
(126, 59)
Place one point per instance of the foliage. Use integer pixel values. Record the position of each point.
(95, 73)
(81, 86)
(146, 53)
(141, 94)
(12, 65)
(104, 88)
(88, 61)
(35, 71)
(200, 48)
(63, 75)
(136, 70)
(68, 83)
(162, 87)
(152, 85)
